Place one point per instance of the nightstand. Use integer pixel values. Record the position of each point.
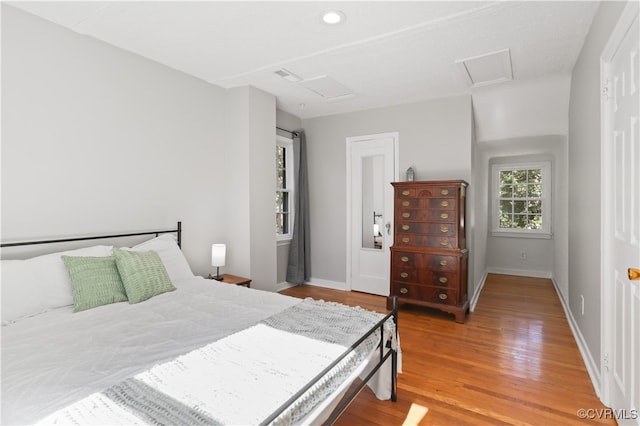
(234, 279)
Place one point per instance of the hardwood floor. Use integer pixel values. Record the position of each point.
(513, 362)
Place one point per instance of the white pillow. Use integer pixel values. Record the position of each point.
(174, 261)
(39, 284)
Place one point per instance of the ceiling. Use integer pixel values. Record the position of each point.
(384, 53)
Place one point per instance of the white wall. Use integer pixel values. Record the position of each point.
(98, 140)
(262, 184)
(234, 163)
(435, 138)
(522, 108)
(585, 177)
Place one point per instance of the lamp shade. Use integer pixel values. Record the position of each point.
(218, 253)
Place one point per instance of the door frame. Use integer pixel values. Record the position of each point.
(607, 351)
(349, 141)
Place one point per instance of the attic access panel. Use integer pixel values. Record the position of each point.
(327, 88)
(490, 68)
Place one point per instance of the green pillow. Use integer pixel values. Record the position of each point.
(95, 281)
(142, 273)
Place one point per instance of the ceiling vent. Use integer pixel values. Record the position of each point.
(327, 87)
(288, 75)
(491, 68)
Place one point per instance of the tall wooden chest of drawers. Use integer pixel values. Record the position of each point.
(429, 256)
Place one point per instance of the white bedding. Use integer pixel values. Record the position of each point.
(76, 354)
(221, 363)
(54, 359)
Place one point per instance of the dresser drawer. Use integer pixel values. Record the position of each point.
(427, 191)
(428, 241)
(425, 277)
(444, 263)
(427, 294)
(445, 191)
(442, 203)
(440, 215)
(427, 203)
(427, 215)
(434, 262)
(441, 229)
(409, 203)
(406, 192)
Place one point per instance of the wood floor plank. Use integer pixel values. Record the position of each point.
(513, 362)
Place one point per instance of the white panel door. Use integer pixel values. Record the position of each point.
(621, 218)
(370, 218)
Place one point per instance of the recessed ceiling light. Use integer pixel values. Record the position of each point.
(333, 17)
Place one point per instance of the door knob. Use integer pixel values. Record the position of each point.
(634, 274)
(388, 226)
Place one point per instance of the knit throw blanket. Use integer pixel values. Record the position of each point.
(242, 378)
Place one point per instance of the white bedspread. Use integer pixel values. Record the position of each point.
(215, 379)
(54, 359)
(238, 380)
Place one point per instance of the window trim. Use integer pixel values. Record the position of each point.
(546, 231)
(287, 144)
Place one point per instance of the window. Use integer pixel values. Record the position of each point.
(284, 188)
(521, 200)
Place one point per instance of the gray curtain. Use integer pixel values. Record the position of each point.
(299, 265)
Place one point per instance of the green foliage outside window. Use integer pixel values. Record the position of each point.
(520, 199)
(282, 194)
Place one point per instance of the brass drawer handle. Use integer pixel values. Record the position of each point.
(406, 215)
(444, 242)
(444, 203)
(405, 203)
(404, 290)
(406, 192)
(443, 296)
(443, 263)
(443, 280)
(405, 240)
(444, 192)
(444, 215)
(404, 275)
(444, 229)
(405, 227)
(404, 259)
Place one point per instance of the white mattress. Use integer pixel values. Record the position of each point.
(54, 359)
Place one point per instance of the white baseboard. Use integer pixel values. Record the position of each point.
(336, 285)
(519, 272)
(283, 285)
(476, 294)
(593, 369)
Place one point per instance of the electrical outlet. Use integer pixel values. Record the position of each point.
(582, 304)
(523, 256)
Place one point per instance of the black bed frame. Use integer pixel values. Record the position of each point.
(178, 232)
(345, 401)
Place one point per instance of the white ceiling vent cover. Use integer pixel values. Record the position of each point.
(287, 75)
(491, 68)
(327, 87)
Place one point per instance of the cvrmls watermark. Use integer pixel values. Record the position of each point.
(608, 413)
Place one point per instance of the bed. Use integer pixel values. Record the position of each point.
(201, 352)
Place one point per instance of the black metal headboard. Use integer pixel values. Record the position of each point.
(178, 232)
